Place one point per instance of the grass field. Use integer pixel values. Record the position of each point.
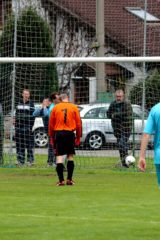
(105, 204)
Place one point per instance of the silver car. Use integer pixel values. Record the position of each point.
(97, 129)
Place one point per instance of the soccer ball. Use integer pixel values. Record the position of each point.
(130, 160)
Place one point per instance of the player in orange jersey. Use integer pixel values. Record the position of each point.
(64, 122)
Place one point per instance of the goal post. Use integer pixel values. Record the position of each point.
(50, 46)
(92, 147)
(149, 59)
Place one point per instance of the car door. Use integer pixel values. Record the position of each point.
(138, 124)
(95, 120)
(107, 129)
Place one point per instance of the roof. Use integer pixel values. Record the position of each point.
(122, 27)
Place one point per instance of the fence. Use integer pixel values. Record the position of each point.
(49, 46)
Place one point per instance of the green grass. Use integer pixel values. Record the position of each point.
(82, 162)
(104, 204)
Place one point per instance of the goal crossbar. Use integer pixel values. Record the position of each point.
(77, 59)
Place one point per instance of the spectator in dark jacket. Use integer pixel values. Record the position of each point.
(24, 121)
(120, 112)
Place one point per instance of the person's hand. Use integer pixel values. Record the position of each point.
(44, 103)
(142, 164)
(77, 141)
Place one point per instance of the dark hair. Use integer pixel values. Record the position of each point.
(43, 98)
(53, 96)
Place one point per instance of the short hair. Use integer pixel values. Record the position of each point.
(63, 96)
(53, 96)
(26, 90)
(43, 98)
(119, 91)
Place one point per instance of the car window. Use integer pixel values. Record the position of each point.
(102, 112)
(92, 113)
(137, 112)
(98, 113)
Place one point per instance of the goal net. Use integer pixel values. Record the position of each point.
(88, 49)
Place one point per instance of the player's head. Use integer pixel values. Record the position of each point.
(26, 95)
(119, 95)
(45, 101)
(64, 97)
(54, 97)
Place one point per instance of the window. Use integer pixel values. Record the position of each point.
(139, 12)
(137, 112)
(93, 113)
(97, 113)
(103, 112)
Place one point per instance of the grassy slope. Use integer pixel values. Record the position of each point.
(104, 204)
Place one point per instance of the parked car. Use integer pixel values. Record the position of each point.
(97, 129)
(40, 136)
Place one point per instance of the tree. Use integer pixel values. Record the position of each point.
(152, 90)
(34, 39)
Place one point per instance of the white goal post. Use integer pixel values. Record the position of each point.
(78, 59)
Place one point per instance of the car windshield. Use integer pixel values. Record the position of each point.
(138, 113)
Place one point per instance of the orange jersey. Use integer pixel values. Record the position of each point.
(65, 116)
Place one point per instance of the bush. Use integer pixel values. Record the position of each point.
(152, 90)
(34, 39)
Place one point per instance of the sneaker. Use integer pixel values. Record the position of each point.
(49, 165)
(19, 164)
(60, 183)
(70, 182)
(30, 164)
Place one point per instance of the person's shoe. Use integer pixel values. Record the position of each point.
(70, 182)
(60, 183)
(49, 165)
(30, 164)
(19, 164)
(125, 165)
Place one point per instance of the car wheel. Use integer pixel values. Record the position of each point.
(40, 137)
(95, 140)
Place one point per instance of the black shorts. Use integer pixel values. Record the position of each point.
(64, 143)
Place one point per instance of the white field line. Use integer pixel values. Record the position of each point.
(78, 218)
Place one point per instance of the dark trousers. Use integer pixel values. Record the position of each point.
(24, 140)
(51, 155)
(122, 142)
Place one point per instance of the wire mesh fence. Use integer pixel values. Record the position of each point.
(74, 28)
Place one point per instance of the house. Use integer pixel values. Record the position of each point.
(124, 36)
(5, 9)
(124, 22)
(73, 23)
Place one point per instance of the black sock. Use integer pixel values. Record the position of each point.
(59, 170)
(70, 168)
